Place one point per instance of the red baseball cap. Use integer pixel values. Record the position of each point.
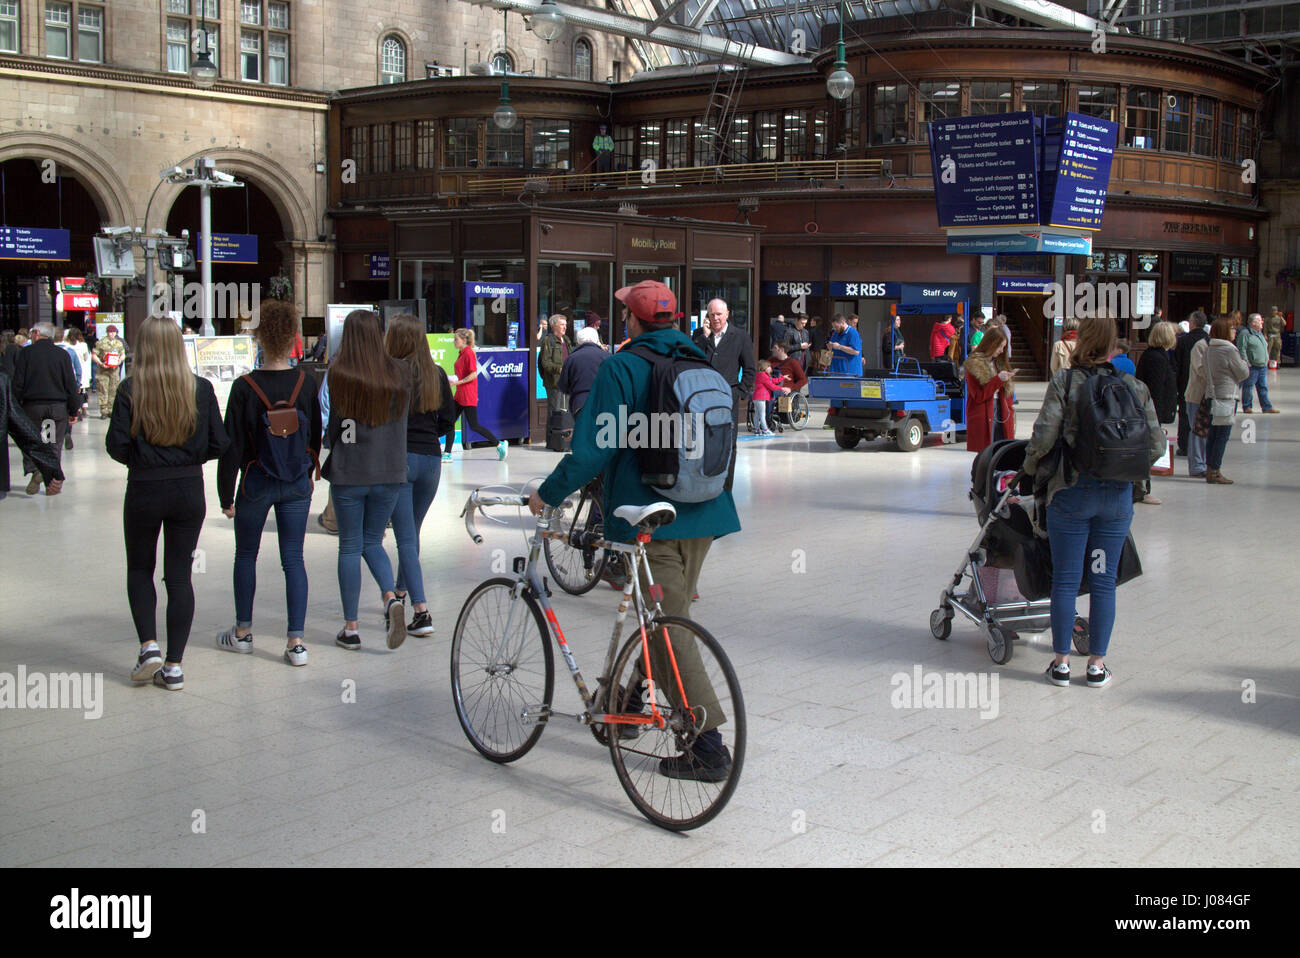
(647, 298)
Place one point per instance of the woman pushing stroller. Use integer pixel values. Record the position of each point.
(1088, 517)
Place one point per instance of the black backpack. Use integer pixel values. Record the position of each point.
(1113, 442)
(281, 440)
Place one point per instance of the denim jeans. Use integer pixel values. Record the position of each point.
(1217, 445)
(422, 475)
(363, 513)
(291, 501)
(760, 416)
(1087, 523)
(1259, 379)
(1195, 443)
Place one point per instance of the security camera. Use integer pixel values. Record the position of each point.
(171, 172)
(221, 177)
(118, 230)
(185, 234)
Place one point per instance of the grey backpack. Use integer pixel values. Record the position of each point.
(686, 454)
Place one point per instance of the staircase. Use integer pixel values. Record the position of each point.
(1028, 351)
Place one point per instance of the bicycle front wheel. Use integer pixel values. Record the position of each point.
(576, 569)
(495, 676)
(682, 775)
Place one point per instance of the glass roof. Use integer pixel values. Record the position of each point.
(764, 23)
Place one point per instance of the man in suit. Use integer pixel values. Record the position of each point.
(1182, 370)
(730, 351)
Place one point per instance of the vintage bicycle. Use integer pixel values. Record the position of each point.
(660, 689)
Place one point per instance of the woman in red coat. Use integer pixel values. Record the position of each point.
(989, 415)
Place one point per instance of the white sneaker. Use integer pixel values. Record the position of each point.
(296, 655)
(149, 661)
(231, 642)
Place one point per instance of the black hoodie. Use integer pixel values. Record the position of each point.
(147, 461)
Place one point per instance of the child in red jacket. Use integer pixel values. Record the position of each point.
(765, 386)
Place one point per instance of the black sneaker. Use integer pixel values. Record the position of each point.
(1097, 677)
(1059, 674)
(421, 625)
(172, 683)
(348, 640)
(707, 761)
(149, 661)
(395, 622)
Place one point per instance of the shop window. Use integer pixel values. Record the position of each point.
(461, 144)
(392, 60)
(359, 147)
(1099, 101)
(434, 281)
(1108, 261)
(1228, 131)
(426, 144)
(8, 26)
(582, 59)
(648, 142)
(1203, 127)
(794, 135)
(624, 147)
(551, 145)
(578, 290)
(505, 147)
(677, 144)
(850, 127)
(729, 285)
(381, 160)
(990, 96)
(1044, 99)
(1141, 118)
(889, 113)
(1029, 264)
(767, 136)
(1177, 108)
(738, 140)
(402, 146)
(939, 99)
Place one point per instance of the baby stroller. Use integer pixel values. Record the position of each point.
(1006, 550)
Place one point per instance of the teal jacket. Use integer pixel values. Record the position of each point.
(1253, 346)
(624, 382)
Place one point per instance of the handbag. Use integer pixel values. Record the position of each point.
(1222, 408)
(784, 403)
(824, 358)
(1032, 566)
(1201, 427)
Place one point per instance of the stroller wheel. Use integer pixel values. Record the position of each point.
(941, 623)
(1000, 645)
(1081, 635)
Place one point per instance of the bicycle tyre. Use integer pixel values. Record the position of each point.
(489, 712)
(677, 804)
(566, 562)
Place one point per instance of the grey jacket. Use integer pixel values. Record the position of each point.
(1217, 369)
(1058, 418)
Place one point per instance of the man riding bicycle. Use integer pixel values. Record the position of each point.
(676, 552)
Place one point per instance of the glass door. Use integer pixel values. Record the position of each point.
(670, 276)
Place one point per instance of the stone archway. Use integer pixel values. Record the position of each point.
(73, 158)
(284, 192)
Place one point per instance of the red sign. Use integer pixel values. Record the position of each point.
(66, 301)
(71, 283)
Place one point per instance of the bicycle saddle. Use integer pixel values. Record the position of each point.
(653, 515)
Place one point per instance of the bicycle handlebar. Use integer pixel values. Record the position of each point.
(478, 499)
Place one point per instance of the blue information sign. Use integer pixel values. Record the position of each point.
(1025, 285)
(379, 268)
(989, 242)
(1076, 196)
(502, 394)
(22, 242)
(229, 248)
(985, 170)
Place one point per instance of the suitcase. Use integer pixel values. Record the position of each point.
(559, 428)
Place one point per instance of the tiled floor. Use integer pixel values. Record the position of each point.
(820, 601)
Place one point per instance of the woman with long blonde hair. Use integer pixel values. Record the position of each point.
(431, 414)
(465, 378)
(166, 424)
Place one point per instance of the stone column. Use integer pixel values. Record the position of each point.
(310, 265)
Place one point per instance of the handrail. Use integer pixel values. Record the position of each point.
(678, 176)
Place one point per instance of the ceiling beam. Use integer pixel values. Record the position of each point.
(703, 13)
(666, 15)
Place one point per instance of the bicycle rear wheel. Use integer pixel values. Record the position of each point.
(576, 569)
(494, 677)
(640, 752)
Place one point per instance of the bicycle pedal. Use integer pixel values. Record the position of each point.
(534, 714)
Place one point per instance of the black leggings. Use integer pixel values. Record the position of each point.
(176, 508)
(468, 417)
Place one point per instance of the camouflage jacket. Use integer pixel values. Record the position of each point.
(1274, 325)
(1058, 420)
(112, 344)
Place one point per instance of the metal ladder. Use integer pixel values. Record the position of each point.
(724, 101)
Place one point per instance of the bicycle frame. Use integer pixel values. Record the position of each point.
(530, 578)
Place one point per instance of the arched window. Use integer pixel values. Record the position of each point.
(503, 63)
(392, 61)
(582, 59)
